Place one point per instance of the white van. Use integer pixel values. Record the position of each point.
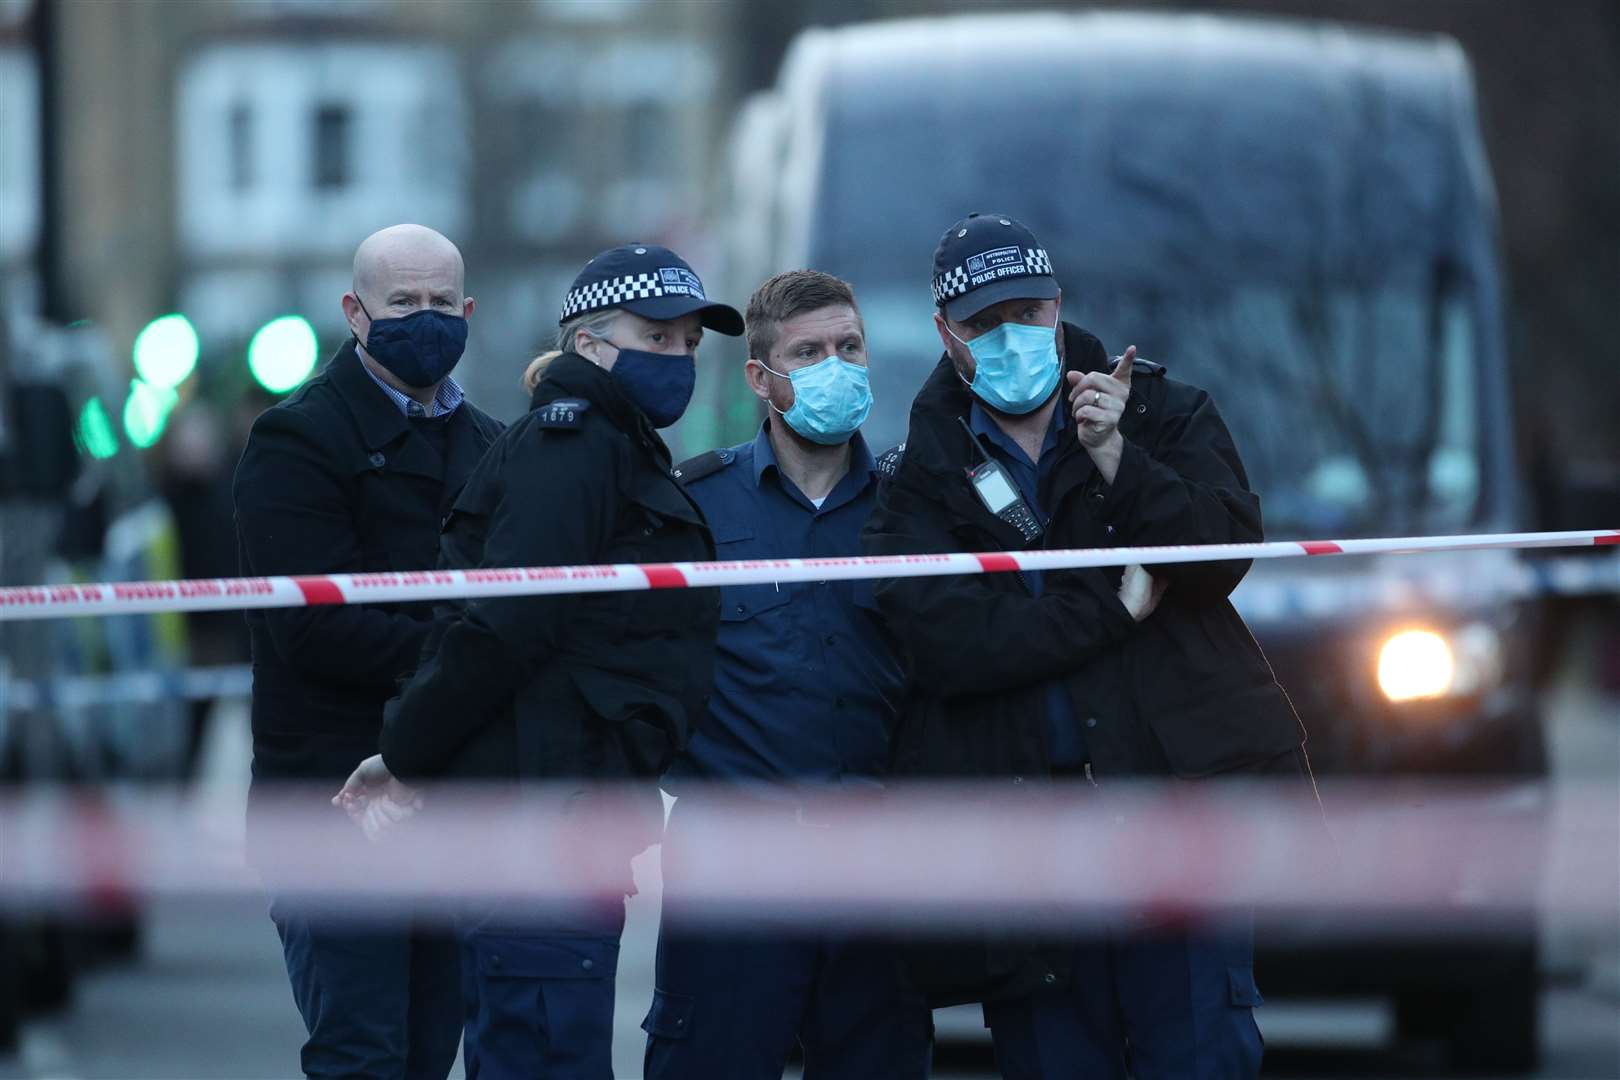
(1297, 217)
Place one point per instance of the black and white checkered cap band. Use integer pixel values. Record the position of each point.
(956, 281)
(614, 292)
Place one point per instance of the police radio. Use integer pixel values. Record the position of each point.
(996, 491)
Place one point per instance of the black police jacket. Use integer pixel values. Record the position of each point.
(1188, 691)
(594, 685)
(335, 479)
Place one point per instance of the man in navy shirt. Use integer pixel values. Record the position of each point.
(806, 690)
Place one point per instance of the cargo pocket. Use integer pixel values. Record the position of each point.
(512, 956)
(670, 1016)
(1241, 986)
(555, 992)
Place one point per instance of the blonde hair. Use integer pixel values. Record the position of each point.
(537, 369)
(594, 323)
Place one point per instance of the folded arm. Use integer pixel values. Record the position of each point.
(1190, 489)
(555, 509)
(965, 634)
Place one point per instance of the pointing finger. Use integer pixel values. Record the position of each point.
(1122, 370)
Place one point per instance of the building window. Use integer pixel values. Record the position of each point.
(649, 138)
(333, 127)
(241, 146)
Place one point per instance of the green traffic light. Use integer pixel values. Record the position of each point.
(282, 354)
(166, 351)
(96, 431)
(146, 413)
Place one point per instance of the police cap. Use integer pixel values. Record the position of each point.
(985, 259)
(649, 280)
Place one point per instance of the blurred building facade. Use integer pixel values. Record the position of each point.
(224, 159)
(19, 160)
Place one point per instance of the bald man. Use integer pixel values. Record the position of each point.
(353, 473)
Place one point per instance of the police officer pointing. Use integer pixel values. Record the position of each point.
(1025, 435)
(806, 688)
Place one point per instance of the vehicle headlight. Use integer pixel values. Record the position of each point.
(1417, 665)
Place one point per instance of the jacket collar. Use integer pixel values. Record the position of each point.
(383, 426)
(446, 399)
(571, 375)
(936, 439)
(861, 461)
(466, 441)
(380, 420)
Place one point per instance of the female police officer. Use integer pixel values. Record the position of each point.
(568, 688)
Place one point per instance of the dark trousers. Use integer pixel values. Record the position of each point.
(538, 991)
(1152, 1005)
(732, 1004)
(378, 1002)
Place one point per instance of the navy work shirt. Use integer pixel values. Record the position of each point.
(1065, 739)
(806, 684)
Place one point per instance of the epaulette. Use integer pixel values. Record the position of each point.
(1146, 367)
(693, 469)
(889, 462)
(562, 414)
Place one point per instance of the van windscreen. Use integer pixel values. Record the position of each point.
(1355, 411)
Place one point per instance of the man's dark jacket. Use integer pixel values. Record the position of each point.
(593, 685)
(336, 479)
(1189, 691)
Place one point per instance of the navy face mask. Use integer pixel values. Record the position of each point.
(421, 348)
(659, 384)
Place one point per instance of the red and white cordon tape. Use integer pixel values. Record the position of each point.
(1429, 858)
(229, 594)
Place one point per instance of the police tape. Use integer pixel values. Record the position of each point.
(1261, 599)
(1258, 600)
(1424, 857)
(224, 594)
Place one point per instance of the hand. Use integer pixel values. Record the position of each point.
(1141, 592)
(382, 814)
(374, 799)
(1097, 401)
(370, 778)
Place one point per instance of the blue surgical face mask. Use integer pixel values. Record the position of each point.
(831, 398)
(421, 348)
(1016, 366)
(660, 384)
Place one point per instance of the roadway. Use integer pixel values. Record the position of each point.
(209, 1000)
(208, 997)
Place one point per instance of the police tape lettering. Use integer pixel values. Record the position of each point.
(225, 594)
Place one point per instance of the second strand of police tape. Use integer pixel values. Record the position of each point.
(1392, 853)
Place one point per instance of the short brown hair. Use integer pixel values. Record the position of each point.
(786, 295)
